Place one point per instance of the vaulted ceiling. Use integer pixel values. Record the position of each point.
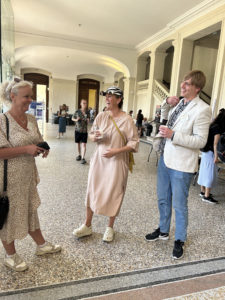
(118, 23)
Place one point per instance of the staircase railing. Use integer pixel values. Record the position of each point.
(160, 91)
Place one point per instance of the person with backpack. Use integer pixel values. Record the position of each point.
(208, 168)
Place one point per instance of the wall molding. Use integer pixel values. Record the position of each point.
(76, 40)
(190, 16)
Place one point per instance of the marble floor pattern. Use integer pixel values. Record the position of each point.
(62, 191)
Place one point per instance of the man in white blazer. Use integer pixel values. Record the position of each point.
(186, 132)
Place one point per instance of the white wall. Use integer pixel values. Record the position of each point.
(142, 103)
(104, 87)
(168, 67)
(62, 92)
(205, 60)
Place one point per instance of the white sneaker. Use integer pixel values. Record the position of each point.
(108, 235)
(58, 137)
(47, 249)
(83, 230)
(15, 263)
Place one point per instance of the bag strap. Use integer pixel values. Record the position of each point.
(6, 160)
(118, 129)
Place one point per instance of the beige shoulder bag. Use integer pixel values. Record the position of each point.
(131, 156)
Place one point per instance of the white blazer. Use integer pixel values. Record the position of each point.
(191, 132)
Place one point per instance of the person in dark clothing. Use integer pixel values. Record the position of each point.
(208, 168)
(139, 120)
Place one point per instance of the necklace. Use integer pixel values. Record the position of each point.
(21, 121)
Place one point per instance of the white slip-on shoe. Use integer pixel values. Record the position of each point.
(48, 249)
(82, 231)
(108, 235)
(15, 263)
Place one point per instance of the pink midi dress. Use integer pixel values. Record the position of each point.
(107, 177)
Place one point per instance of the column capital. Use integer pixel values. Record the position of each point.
(174, 43)
(127, 79)
(152, 52)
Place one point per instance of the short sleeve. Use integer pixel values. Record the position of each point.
(217, 130)
(4, 143)
(75, 115)
(132, 134)
(97, 121)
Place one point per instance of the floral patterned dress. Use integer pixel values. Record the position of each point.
(22, 179)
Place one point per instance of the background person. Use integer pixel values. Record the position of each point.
(62, 114)
(208, 168)
(21, 150)
(108, 172)
(139, 120)
(131, 113)
(81, 117)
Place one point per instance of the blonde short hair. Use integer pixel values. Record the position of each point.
(12, 86)
(197, 78)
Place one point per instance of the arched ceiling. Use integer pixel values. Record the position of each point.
(122, 22)
(68, 63)
(117, 26)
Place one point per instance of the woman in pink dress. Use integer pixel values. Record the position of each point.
(115, 135)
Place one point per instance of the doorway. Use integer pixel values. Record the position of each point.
(40, 89)
(89, 90)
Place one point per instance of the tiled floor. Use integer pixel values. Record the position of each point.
(203, 288)
(62, 190)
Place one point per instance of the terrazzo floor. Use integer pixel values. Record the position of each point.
(213, 294)
(62, 191)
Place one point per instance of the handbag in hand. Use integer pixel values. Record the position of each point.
(4, 201)
(44, 145)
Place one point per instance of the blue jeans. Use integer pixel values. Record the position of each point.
(172, 189)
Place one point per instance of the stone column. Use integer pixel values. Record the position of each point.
(174, 75)
(184, 65)
(151, 82)
(156, 72)
(218, 92)
(160, 62)
(141, 67)
(129, 87)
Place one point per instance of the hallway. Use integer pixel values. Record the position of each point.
(62, 191)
